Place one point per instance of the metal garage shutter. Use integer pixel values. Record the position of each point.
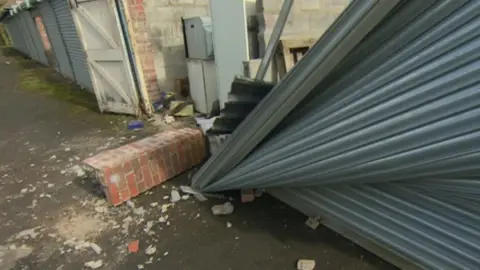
(13, 27)
(35, 41)
(72, 42)
(384, 145)
(56, 40)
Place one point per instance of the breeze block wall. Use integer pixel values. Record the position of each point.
(164, 24)
(308, 18)
(129, 170)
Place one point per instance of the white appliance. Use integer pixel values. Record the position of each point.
(202, 77)
(202, 72)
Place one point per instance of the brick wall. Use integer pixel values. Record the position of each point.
(165, 31)
(307, 17)
(129, 170)
(144, 50)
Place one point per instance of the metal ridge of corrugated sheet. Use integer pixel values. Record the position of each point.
(369, 135)
(402, 225)
(348, 30)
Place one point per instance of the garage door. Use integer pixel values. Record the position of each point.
(56, 40)
(72, 42)
(101, 34)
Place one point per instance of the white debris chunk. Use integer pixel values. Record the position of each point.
(313, 222)
(165, 253)
(154, 204)
(50, 185)
(229, 225)
(96, 248)
(175, 196)
(131, 204)
(223, 209)
(77, 170)
(185, 197)
(24, 190)
(28, 233)
(94, 264)
(166, 197)
(150, 250)
(195, 193)
(148, 226)
(305, 264)
(162, 219)
(140, 266)
(101, 209)
(67, 149)
(139, 211)
(53, 157)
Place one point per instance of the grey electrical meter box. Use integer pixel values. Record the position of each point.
(198, 35)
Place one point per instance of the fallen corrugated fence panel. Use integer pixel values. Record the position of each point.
(384, 144)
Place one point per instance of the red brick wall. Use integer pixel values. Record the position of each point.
(144, 50)
(129, 170)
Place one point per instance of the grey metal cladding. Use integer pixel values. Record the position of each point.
(325, 55)
(56, 39)
(73, 44)
(409, 228)
(414, 115)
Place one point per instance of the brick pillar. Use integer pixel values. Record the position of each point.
(143, 49)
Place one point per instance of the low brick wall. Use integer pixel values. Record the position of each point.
(129, 170)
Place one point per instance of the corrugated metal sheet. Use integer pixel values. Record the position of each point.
(56, 39)
(34, 41)
(72, 42)
(385, 146)
(14, 29)
(365, 132)
(326, 54)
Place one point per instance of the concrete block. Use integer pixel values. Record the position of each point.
(202, 3)
(195, 11)
(310, 4)
(129, 170)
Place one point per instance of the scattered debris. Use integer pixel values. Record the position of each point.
(150, 250)
(247, 195)
(94, 264)
(169, 119)
(195, 193)
(181, 108)
(148, 226)
(313, 222)
(175, 196)
(135, 125)
(133, 246)
(130, 204)
(28, 233)
(139, 211)
(154, 204)
(96, 248)
(76, 170)
(304, 264)
(101, 209)
(162, 219)
(223, 209)
(229, 225)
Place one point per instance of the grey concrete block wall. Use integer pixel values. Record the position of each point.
(307, 18)
(165, 30)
